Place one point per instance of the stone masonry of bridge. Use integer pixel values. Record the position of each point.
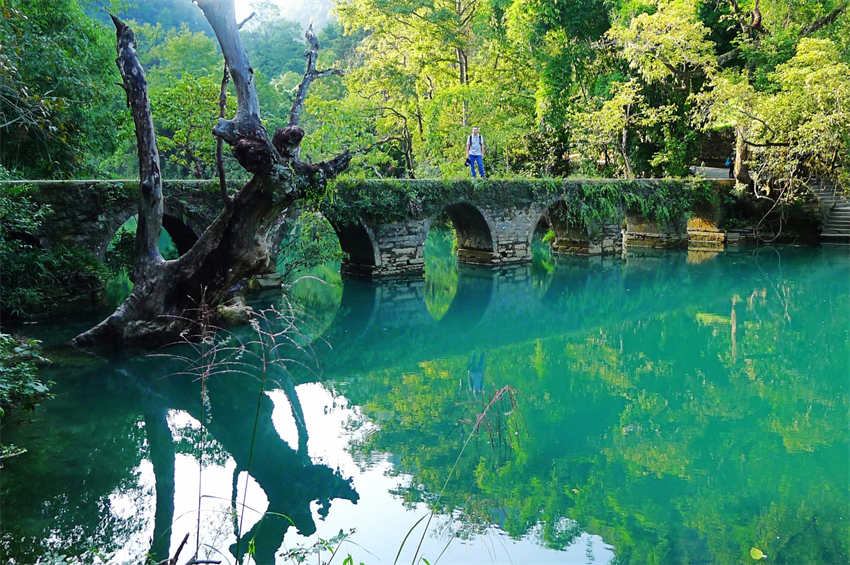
(382, 225)
(386, 222)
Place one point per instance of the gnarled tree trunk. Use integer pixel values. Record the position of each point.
(168, 295)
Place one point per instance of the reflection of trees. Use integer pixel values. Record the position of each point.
(57, 494)
(129, 425)
(441, 274)
(688, 436)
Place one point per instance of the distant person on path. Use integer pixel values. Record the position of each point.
(475, 151)
(730, 162)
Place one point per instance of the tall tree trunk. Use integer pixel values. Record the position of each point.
(463, 76)
(624, 145)
(150, 177)
(742, 175)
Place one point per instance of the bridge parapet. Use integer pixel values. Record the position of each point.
(382, 224)
(87, 213)
(495, 221)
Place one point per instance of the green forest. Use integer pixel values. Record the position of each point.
(617, 88)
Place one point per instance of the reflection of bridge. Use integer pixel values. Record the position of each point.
(387, 324)
(495, 221)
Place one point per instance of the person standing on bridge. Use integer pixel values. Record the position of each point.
(475, 151)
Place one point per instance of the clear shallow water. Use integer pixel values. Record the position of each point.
(663, 408)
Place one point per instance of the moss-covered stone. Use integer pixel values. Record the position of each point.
(587, 200)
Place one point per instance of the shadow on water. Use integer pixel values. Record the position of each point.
(684, 408)
(124, 422)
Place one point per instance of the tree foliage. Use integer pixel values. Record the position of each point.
(57, 94)
(798, 131)
(631, 88)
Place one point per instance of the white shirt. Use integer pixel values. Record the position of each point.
(475, 144)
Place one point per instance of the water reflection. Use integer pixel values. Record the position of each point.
(684, 411)
(440, 254)
(135, 426)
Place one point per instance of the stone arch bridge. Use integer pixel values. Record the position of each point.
(382, 225)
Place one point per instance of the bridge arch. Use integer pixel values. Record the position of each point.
(571, 237)
(475, 233)
(362, 256)
(182, 235)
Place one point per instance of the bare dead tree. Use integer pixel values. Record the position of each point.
(222, 112)
(311, 74)
(237, 244)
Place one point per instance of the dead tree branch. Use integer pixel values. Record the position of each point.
(246, 125)
(150, 176)
(222, 107)
(311, 74)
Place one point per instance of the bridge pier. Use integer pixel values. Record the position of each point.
(388, 250)
(641, 232)
(601, 239)
(598, 238)
(514, 229)
(704, 235)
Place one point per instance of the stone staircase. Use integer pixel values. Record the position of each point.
(836, 216)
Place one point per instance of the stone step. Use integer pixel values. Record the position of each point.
(843, 239)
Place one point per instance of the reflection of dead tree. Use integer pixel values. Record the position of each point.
(192, 561)
(233, 372)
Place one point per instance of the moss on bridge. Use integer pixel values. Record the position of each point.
(586, 200)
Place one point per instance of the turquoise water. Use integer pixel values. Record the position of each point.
(658, 408)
